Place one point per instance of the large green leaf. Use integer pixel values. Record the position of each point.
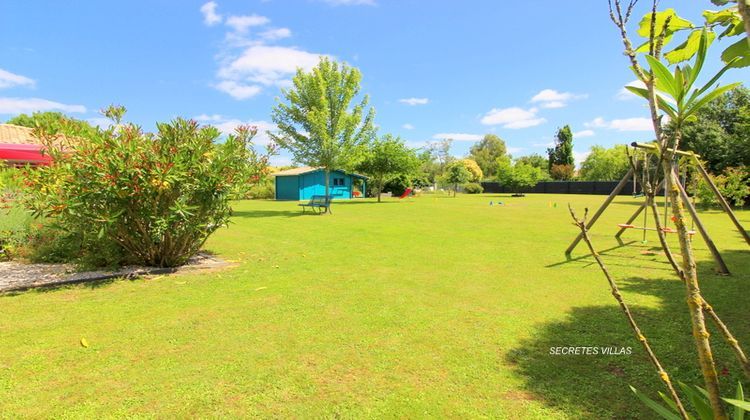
(739, 49)
(709, 97)
(745, 405)
(739, 412)
(713, 80)
(675, 23)
(658, 408)
(719, 16)
(687, 49)
(661, 102)
(699, 401)
(664, 80)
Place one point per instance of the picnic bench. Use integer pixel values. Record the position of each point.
(320, 202)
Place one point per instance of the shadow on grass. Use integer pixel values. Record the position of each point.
(353, 202)
(47, 288)
(596, 386)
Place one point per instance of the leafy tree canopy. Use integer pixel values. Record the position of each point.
(562, 152)
(387, 158)
(486, 152)
(535, 160)
(316, 122)
(603, 164)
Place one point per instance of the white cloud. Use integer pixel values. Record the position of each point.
(242, 23)
(624, 124)
(351, 2)
(29, 105)
(458, 136)
(515, 150)
(414, 101)
(238, 90)
(247, 62)
(407, 127)
(210, 17)
(513, 118)
(624, 94)
(277, 161)
(553, 104)
(261, 65)
(8, 80)
(416, 144)
(102, 122)
(228, 125)
(276, 33)
(207, 117)
(584, 133)
(579, 157)
(550, 98)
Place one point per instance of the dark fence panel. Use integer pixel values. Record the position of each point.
(564, 187)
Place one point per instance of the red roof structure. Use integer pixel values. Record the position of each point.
(18, 147)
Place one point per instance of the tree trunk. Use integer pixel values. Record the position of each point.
(744, 10)
(380, 189)
(328, 189)
(694, 297)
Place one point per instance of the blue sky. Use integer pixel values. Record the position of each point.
(432, 69)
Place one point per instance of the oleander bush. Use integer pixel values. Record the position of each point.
(473, 188)
(150, 199)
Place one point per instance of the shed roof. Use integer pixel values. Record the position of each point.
(307, 169)
(16, 134)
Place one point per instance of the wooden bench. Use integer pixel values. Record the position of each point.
(320, 202)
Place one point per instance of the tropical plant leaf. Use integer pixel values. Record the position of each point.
(675, 23)
(739, 412)
(739, 49)
(700, 103)
(664, 80)
(719, 16)
(689, 48)
(658, 408)
(711, 82)
(744, 405)
(699, 401)
(661, 102)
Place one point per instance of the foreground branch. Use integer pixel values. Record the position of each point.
(626, 311)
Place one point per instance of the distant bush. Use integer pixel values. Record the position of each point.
(732, 183)
(562, 172)
(150, 199)
(397, 185)
(14, 219)
(265, 190)
(473, 188)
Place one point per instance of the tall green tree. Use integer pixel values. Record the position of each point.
(316, 121)
(520, 175)
(562, 152)
(486, 152)
(536, 160)
(387, 158)
(603, 164)
(456, 173)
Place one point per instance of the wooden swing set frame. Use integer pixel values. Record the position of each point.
(694, 160)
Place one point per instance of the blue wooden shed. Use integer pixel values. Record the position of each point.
(303, 183)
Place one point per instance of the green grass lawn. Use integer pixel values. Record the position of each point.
(427, 307)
